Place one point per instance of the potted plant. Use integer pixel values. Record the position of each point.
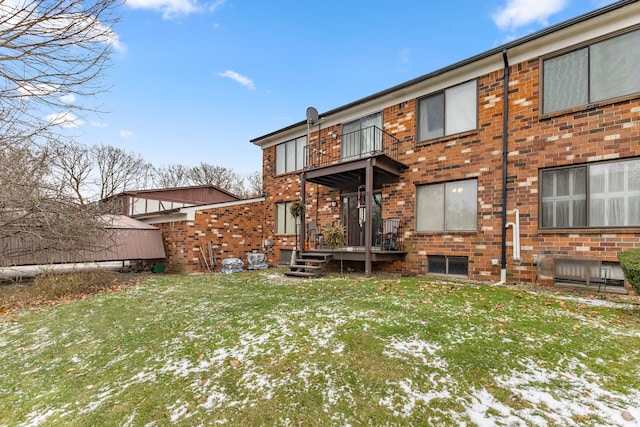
(335, 235)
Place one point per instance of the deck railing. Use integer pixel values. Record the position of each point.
(363, 143)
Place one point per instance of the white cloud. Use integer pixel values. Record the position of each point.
(36, 89)
(68, 99)
(65, 119)
(518, 13)
(215, 5)
(126, 134)
(99, 124)
(170, 8)
(244, 81)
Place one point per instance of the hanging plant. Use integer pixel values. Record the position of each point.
(297, 209)
(334, 235)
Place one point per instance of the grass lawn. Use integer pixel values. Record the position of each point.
(259, 349)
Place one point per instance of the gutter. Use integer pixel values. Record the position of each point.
(505, 155)
(531, 37)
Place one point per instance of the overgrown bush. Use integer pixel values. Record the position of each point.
(51, 287)
(630, 263)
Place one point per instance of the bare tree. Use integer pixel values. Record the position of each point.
(37, 217)
(54, 51)
(52, 54)
(72, 164)
(220, 176)
(117, 169)
(171, 176)
(252, 185)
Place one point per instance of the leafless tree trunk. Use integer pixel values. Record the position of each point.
(72, 164)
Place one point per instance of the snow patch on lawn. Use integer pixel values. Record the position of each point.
(599, 302)
(418, 349)
(402, 403)
(582, 397)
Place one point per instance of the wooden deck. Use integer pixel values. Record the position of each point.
(358, 254)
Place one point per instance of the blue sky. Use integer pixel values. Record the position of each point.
(194, 81)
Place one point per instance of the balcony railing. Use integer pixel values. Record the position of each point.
(355, 145)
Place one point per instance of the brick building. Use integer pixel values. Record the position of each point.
(521, 163)
(197, 238)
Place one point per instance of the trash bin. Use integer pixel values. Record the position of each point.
(158, 268)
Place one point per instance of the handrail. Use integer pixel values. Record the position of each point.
(362, 143)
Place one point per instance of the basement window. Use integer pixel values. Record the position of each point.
(448, 265)
(589, 273)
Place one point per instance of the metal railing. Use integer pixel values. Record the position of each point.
(363, 143)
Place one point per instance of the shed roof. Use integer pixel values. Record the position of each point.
(129, 239)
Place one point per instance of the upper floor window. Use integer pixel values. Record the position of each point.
(285, 222)
(448, 112)
(600, 71)
(290, 155)
(362, 137)
(597, 195)
(451, 206)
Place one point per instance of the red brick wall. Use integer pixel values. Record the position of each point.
(233, 230)
(605, 131)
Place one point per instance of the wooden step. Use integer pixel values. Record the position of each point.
(309, 265)
(299, 274)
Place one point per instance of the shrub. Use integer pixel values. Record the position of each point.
(50, 287)
(630, 263)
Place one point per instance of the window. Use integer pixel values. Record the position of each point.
(564, 198)
(440, 264)
(285, 222)
(451, 111)
(601, 71)
(290, 155)
(452, 206)
(362, 137)
(598, 195)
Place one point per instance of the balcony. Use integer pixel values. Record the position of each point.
(341, 162)
(367, 142)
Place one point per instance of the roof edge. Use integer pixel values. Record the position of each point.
(497, 50)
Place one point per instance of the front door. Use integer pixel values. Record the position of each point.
(353, 217)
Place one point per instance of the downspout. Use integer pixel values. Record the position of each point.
(505, 155)
(515, 226)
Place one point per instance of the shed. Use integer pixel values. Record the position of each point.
(128, 240)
